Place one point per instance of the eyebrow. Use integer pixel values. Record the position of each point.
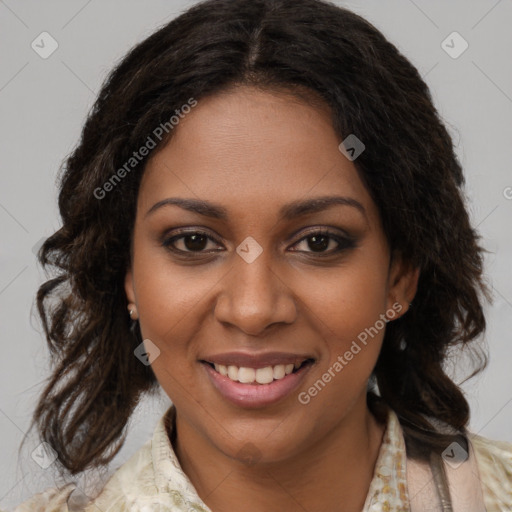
(287, 212)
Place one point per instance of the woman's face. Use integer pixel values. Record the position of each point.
(259, 288)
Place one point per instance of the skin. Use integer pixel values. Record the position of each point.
(253, 151)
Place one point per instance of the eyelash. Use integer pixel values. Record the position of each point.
(344, 242)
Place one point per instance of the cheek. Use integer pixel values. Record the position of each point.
(348, 307)
(169, 305)
(166, 292)
(170, 301)
(349, 299)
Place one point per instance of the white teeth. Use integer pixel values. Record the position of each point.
(264, 375)
(233, 372)
(246, 375)
(261, 375)
(279, 371)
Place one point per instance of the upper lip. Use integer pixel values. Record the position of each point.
(261, 360)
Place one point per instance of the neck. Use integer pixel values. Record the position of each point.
(332, 474)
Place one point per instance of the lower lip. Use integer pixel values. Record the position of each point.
(255, 395)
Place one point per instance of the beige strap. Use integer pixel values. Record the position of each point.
(423, 496)
(464, 481)
(427, 485)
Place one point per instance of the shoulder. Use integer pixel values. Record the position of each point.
(494, 460)
(129, 481)
(51, 500)
(133, 483)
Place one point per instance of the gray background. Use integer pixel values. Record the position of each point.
(44, 103)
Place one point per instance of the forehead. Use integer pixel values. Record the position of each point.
(252, 149)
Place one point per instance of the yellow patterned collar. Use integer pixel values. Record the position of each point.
(152, 479)
(388, 488)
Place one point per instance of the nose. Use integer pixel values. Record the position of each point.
(253, 297)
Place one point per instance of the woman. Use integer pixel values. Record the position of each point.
(264, 217)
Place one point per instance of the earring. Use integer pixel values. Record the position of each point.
(131, 310)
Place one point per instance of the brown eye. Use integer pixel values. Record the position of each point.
(194, 242)
(319, 241)
(191, 241)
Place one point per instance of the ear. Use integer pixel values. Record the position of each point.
(402, 283)
(129, 287)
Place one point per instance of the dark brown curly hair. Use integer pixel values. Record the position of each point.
(409, 167)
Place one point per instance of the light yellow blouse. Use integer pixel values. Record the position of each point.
(153, 481)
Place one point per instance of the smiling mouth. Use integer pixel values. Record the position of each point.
(258, 376)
